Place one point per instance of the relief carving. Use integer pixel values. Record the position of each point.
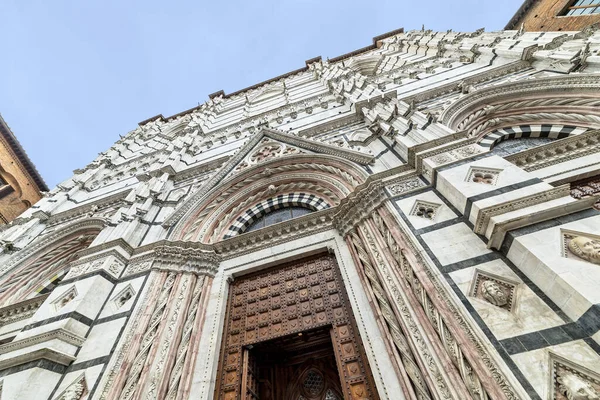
(570, 381)
(575, 387)
(585, 248)
(581, 246)
(493, 293)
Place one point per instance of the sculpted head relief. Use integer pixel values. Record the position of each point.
(586, 248)
(575, 387)
(493, 293)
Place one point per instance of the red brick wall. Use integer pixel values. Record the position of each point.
(545, 15)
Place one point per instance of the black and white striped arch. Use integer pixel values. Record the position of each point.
(305, 200)
(529, 131)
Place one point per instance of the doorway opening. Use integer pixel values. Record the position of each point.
(297, 367)
(290, 334)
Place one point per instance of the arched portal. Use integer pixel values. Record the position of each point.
(40, 271)
(311, 181)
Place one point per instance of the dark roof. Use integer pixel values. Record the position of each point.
(372, 46)
(21, 155)
(526, 6)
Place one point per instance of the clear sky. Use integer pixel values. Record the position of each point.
(76, 74)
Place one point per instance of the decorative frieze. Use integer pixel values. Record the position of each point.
(21, 310)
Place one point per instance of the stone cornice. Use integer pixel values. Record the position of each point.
(59, 334)
(41, 354)
(557, 152)
(275, 234)
(21, 310)
(49, 238)
(451, 87)
(221, 94)
(176, 258)
(484, 215)
(87, 208)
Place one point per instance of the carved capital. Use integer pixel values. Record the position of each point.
(181, 259)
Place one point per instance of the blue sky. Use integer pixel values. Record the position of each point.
(76, 74)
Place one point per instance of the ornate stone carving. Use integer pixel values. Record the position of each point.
(65, 298)
(406, 186)
(486, 176)
(494, 293)
(76, 390)
(586, 248)
(570, 381)
(575, 387)
(442, 325)
(493, 289)
(177, 258)
(425, 209)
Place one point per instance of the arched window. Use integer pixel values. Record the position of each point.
(277, 216)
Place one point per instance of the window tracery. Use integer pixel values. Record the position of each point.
(277, 216)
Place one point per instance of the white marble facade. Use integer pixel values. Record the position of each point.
(438, 168)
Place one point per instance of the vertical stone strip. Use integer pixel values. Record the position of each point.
(134, 374)
(130, 342)
(478, 370)
(183, 353)
(168, 339)
(406, 354)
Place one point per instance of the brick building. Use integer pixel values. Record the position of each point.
(555, 15)
(20, 183)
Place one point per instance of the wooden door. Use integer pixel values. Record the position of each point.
(282, 302)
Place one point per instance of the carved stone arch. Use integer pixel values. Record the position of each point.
(572, 101)
(304, 200)
(46, 260)
(329, 179)
(491, 139)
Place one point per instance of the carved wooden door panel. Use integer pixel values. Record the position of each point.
(283, 301)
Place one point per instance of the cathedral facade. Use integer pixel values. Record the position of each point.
(418, 219)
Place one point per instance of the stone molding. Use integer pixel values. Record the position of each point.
(358, 206)
(21, 310)
(492, 73)
(485, 214)
(45, 241)
(556, 363)
(442, 306)
(283, 232)
(219, 178)
(557, 152)
(41, 354)
(60, 334)
(174, 258)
